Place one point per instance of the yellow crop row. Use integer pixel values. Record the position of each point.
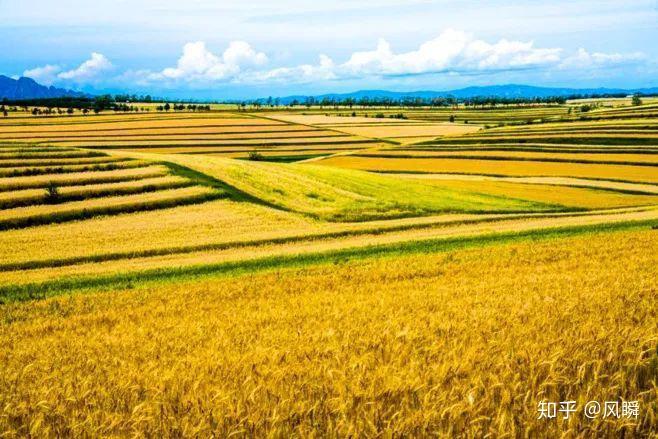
(99, 203)
(73, 178)
(601, 157)
(498, 167)
(91, 190)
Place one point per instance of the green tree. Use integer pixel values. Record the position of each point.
(636, 100)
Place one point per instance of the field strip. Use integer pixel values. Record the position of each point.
(71, 241)
(323, 248)
(48, 153)
(22, 171)
(175, 118)
(506, 168)
(528, 147)
(556, 181)
(182, 129)
(260, 148)
(637, 161)
(184, 137)
(48, 161)
(80, 178)
(45, 214)
(324, 127)
(10, 199)
(121, 144)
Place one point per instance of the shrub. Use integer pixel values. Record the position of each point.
(256, 156)
(52, 193)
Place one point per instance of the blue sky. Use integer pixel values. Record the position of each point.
(243, 49)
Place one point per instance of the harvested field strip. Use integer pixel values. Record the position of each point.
(256, 142)
(640, 174)
(146, 124)
(129, 131)
(66, 169)
(46, 214)
(189, 137)
(50, 153)
(615, 186)
(246, 149)
(641, 124)
(30, 197)
(321, 119)
(144, 119)
(528, 147)
(566, 196)
(631, 160)
(589, 140)
(82, 178)
(326, 249)
(571, 129)
(400, 124)
(49, 161)
(409, 131)
(283, 153)
(573, 132)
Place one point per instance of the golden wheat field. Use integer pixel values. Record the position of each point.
(456, 342)
(329, 272)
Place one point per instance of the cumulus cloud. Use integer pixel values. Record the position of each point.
(89, 69)
(85, 72)
(583, 59)
(451, 51)
(43, 75)
(199, 63)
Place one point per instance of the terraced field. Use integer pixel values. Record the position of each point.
(403, 277)
(37, 187)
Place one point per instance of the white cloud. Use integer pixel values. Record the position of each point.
(44, 75)
(88, 70)
(300, 74)
(451, 51)
(583, 59)
(199, 63)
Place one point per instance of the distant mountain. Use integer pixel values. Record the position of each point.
(503, 91)
(27, 88)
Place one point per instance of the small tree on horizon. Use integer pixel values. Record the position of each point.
(636, 100)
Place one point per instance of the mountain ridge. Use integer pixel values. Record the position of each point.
(28, 88)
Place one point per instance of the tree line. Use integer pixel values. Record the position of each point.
(432, 102)
(86, 105)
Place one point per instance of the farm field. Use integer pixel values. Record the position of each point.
(303, 271)
(178, 133)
